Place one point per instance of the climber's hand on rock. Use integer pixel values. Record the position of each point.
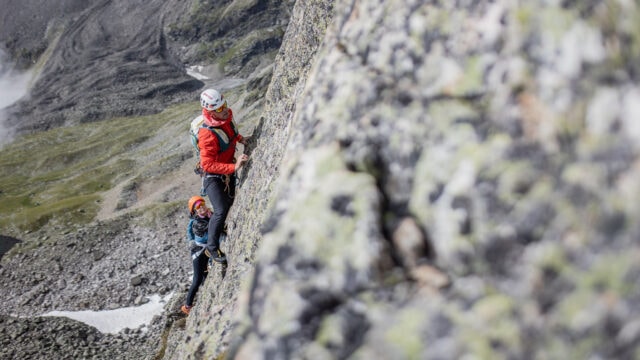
(241, 160)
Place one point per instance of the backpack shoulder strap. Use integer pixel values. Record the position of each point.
(233, 126)
(223, 138)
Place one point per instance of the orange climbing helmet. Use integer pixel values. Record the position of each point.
(193, 201)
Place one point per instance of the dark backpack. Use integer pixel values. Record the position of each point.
(200, 226)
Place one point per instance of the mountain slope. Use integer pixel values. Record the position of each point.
(122, 58)
(97, 205)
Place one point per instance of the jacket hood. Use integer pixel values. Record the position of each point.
(210, 121)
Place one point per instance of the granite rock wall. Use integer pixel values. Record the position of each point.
(438, 180)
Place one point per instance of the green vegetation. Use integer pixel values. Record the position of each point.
(254, 39)
(227, 53)
(58, 175)
(223, 37)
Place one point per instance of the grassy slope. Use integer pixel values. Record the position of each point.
(59, 175)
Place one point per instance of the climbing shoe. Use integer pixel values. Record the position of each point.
(185, 309)
(219, 256)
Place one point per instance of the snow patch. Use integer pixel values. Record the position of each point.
(113, 321)
(196, 72)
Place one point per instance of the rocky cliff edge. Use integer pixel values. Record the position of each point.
(438, 180)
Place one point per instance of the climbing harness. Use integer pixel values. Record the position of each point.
(197, 253)
(226, 179)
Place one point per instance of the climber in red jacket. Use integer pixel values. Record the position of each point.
(217, 139)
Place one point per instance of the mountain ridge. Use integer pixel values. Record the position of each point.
(108, 59)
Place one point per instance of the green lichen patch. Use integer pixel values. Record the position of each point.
(331, 216)
(405, 333)
(489, 326)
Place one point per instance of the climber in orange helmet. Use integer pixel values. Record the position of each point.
(199, 215)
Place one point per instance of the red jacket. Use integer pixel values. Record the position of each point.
(211, 159)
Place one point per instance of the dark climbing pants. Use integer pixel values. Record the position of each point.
(199, 273)
(221, 194)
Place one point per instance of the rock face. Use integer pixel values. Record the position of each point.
(428, 180)
(438, 180)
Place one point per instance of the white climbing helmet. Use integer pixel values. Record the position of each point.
(211, 99)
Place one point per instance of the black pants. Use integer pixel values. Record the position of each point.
(221, 195)
(199, 273)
